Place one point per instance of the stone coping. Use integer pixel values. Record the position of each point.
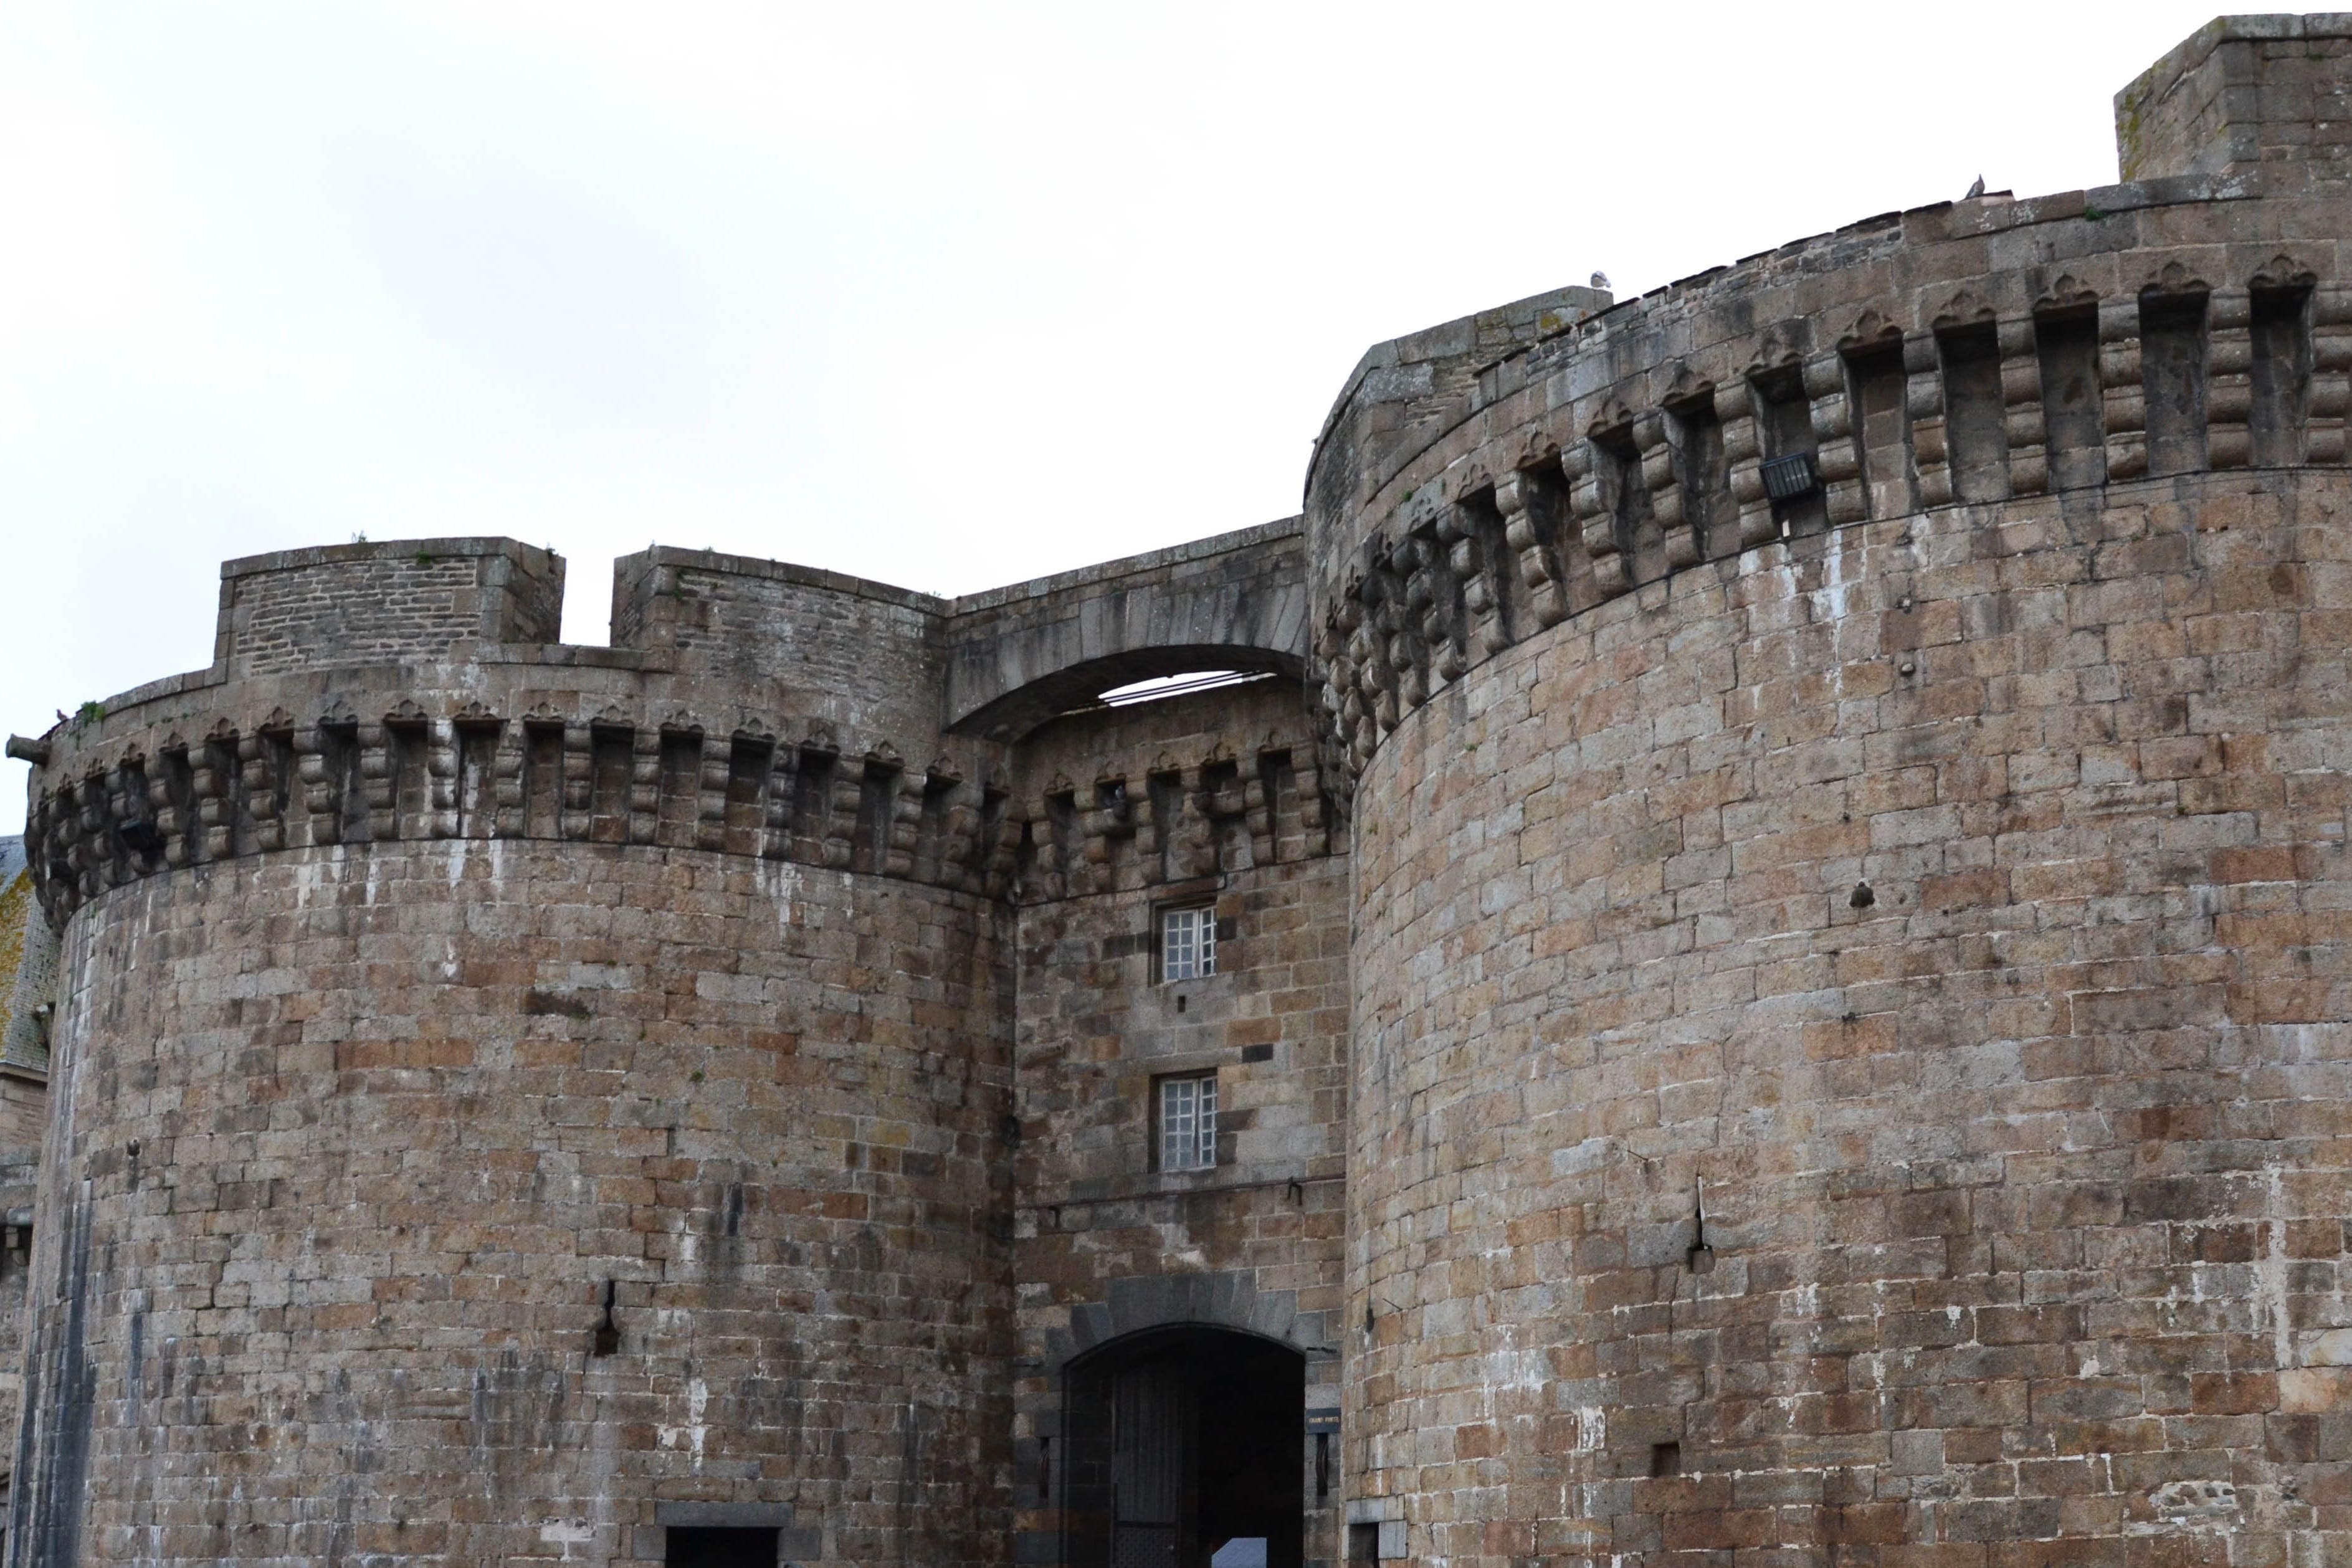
(786, 571)
(1937, 221)
(2277, 27)
(590, 656)
(459, 545)
(1132, 566)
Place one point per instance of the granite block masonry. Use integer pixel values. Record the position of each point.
(29, 952)
(1776, 862)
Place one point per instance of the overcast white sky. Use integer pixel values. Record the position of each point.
(945, 295)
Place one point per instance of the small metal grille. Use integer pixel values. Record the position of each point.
(1791, 477)
(1137, 1545)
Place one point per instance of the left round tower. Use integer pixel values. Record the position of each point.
(518, 1101)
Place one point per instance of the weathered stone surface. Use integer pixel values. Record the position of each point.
(2025, 1184)
(1850, 1039)
(1018, 656)
(1782, 991)
(363, 1141)
(1105, 1244)
(424, 1003)
(28, 955)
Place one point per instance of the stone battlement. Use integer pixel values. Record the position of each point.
(1964, 353)
(1748, 958)
(2243, 95)
(393, 602)
(412, 690)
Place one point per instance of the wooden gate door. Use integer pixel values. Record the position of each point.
(1152, 1480)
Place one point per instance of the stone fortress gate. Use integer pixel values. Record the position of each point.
(1753, 966)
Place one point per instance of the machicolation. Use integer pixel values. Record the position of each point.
(1750, 967)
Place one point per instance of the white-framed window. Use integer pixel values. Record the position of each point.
(1188, 943)
(1188, 1122)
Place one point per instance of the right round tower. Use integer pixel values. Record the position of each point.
(1853, 928)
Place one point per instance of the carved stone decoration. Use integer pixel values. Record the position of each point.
(1872, 332)
(1966, 308)
(2175, 278)
(2067, 293)
(1832, 1018)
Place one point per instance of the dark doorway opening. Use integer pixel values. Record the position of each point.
(1183, 1442)
(701, 1547)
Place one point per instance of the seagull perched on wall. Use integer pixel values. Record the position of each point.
(1975, 191)
(1600, 281)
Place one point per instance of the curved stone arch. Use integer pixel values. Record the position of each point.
(1139, 1315)
(1018, 656)
(1220, 1299)
(1077, 685)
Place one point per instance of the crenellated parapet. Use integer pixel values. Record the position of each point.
(611, 771)
(2244, 95)
(1848, 754)
(798, 640)
(408, 692)
(1959, 354)
(1225, 783)
(381, 603)
(672, 985)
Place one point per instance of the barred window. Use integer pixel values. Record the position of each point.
(1188, 1122)
(1188, 943)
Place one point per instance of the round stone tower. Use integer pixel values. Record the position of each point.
(521, 1101)
(1813, 906)
(1851, 839)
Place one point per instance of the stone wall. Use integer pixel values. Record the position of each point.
(575, 1089)
(448, 1202)
(1848, 1052)
(1783, 1003)
(515, 1100)
(788, 641)
(1963, 353)
(1934, 924)
(373, 604)
(29, 979)
(2245, 95)
(28, 985)
(1016, 657)
(1105, 1242)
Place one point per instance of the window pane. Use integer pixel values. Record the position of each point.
(1177, 945)
(1188, 1123)
(1188, 943)
(1171, 1152)
(1175, 1124)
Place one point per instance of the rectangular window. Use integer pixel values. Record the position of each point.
(1188, 1122)
(706, 1547)
(1188, 943)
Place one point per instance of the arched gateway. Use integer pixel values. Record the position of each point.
(1761, 978)
(1186, 1448)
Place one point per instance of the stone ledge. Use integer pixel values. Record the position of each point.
(1130, 566)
